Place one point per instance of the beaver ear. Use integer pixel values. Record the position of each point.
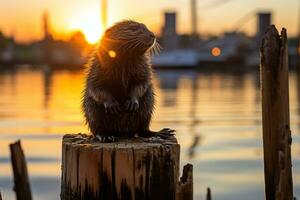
(107, 31)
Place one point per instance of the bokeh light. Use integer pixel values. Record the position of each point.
(112, 54)
(216, 51)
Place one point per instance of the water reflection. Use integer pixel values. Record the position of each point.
(216, 115)
(194, 145)
(47, 77)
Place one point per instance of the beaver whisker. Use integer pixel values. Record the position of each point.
(126, 38)
(129, 45)
(152, 51)
(133, 45)
(120, 40)
(138, 44)
(128, 41)
(155, 49)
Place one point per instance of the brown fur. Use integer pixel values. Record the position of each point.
(118, 97)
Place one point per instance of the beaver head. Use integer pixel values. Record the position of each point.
(128, 38)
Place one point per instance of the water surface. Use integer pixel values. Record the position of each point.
(216, 115)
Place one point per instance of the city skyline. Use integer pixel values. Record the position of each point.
(214, 17)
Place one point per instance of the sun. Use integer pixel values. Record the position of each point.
(89, 24)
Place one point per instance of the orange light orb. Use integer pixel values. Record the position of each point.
(216, 51)
(112, 54)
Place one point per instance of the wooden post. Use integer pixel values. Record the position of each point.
(21, 182)
(0, 196)
(185, 185)
(128, 169)
(275, 115)
(208, 194)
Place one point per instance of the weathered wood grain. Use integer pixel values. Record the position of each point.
(21, 181)
(128, 169)
(208, 194)
(275, 115)
(185, 185)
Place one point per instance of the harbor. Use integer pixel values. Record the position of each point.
(233, 48)
(220, 89)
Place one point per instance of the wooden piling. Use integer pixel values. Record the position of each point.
(185, 185)
(21, 181)
(128, 169)
(0, 196)
(275, 115)
(208, 194)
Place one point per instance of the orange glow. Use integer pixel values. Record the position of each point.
(112, 54)
(90, 25)
(19, 20)
(216, 51)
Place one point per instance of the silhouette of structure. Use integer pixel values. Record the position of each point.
(46, 26)
(104, 13)
(47, 40)
(194, 18)
(169, 33)
(263, 22)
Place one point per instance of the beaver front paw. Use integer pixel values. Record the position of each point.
(164, 133)
(132, 104)
(112, 106)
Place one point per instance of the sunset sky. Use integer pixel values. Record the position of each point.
(22, 19)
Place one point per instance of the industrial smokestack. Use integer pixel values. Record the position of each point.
(170, 37)
(264, 20)
(47, 34)
(104, 13)
(194, 17)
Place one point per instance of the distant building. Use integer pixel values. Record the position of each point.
(264, 20)
(169, 33)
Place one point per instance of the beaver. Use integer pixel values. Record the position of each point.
(118, 99)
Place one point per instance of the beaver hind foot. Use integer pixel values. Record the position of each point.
(105, 139)
(164, 133)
